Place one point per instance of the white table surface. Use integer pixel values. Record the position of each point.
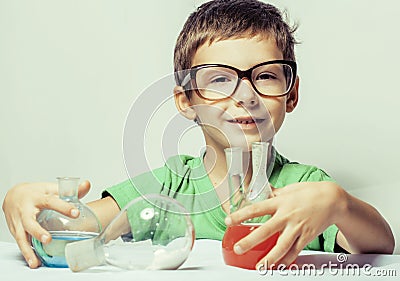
(205, 263)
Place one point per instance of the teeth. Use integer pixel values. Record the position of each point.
(245, 122)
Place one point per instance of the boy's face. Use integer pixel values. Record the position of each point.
(246, 116)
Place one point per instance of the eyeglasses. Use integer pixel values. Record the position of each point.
(218, 81)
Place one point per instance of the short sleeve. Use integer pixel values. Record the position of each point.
(329, 240)
(122, 193)
(146, 183)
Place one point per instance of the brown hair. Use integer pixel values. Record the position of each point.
(224, 19)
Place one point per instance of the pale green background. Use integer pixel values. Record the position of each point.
(69, 71)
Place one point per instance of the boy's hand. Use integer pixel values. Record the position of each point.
(300, 212)
(22, 204)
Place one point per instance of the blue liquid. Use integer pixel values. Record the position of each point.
(53, 254)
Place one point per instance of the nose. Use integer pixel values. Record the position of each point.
(245, 95)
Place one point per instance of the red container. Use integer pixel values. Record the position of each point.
(249, 259)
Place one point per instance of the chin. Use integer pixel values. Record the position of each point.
(245, 145)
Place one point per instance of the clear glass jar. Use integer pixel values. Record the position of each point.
(63, 229)
(151, 232)
(258, 190)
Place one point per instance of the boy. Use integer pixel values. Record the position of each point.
(236, 77)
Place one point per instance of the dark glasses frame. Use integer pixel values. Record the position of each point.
(191, 77)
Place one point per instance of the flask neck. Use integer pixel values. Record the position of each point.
(259, 158)
(235, 177)
(259, 188)
(68, 188)
(84, 254)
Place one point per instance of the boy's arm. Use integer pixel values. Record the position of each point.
(105, 209)
(362, 229)
(24, 201)
(302, 211)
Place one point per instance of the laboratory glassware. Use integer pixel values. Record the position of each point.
(151, 232)
(258, 190)
(63, 229)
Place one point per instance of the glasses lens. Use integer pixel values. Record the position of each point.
(273, 79)
(216, 82)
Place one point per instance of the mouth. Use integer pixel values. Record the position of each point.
(246, 122)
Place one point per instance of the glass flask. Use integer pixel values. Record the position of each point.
(151, 232)
(259, 189)
(63, 229)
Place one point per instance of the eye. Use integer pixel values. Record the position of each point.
(266, 76)
(220, 79)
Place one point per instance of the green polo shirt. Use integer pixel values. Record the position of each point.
(185, 179)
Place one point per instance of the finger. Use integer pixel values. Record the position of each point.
(32, 227)
(83, 188)
(59, 205)
(294, 252)
(26, 250)
(257, 236)
(285, 242)
(291, 255)
(265, 207)
(10, 224)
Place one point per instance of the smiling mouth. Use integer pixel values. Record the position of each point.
(245, 121)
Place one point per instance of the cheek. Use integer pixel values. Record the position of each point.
(209, 112)
(277, 111)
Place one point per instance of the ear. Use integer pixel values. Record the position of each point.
(293, 96)
(183, 103)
